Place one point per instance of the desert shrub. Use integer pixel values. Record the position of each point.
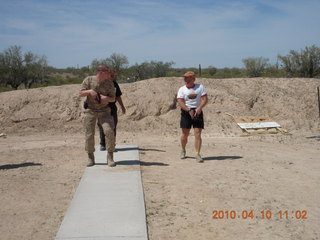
(255, 66)
(305, 63)
(152, 69)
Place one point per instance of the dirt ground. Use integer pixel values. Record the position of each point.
(264, 173)
(242, 174)
(249, 187)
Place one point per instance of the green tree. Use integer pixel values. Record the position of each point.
(94, 64)
(161, 69)
(143, 70)
(17, 69)
(305, 63)
(116, 61)
(119, 62)
(212, 70)
(12, 67)
(255, 66)
(152, 69)
(35, 69)
(3, 70)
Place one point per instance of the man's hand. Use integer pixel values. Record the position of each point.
(93, 93)
(198, 112)
(123, 110)
(106, 99)
(192, 113)
(88, 93)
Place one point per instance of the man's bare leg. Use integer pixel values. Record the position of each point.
(198, 143)
(184, 141)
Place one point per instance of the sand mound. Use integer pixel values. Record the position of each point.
(151, 106)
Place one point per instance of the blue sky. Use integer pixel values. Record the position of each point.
(216, 33)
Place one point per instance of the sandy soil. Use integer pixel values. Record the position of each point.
(38, 176)
(42, 160)
(239, 174)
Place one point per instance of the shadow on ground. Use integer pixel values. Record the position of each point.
(140, 149)
(126, 149)
(314, 137)
(19, 165)
(219, 158)
(136, 162)
(150, 149)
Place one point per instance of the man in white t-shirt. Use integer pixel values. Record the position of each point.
(191, 98)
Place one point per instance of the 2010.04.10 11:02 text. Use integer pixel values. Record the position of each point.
(264, 214)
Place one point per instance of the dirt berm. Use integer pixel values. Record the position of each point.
(151, 106)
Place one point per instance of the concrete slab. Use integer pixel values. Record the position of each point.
(109, 202)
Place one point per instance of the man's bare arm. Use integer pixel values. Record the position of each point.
(204, 101)
(182, 104)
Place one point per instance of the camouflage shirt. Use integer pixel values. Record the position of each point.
(105, 88)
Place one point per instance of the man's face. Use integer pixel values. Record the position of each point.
(189, 80)
(108, 76)
(103, 75)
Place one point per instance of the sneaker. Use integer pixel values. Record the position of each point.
(199, 158)
(90, 160)
(102, 148)
(183, 154)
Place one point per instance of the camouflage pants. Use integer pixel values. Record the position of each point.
(106, 121)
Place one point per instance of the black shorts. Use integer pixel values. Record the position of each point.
(187, 122)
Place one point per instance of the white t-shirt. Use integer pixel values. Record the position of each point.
(192, 96)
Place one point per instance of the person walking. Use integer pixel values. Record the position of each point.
(114, 111)
(99, 92)
(192, 98)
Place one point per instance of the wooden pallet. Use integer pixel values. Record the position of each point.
(258, 125)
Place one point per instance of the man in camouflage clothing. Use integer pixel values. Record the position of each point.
(99, 92)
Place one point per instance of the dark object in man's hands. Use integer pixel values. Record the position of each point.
(192, 113)
(85, 104)
(98, 98)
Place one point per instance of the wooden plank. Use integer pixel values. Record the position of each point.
(258, 125)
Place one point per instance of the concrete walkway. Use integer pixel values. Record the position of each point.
(109, 202)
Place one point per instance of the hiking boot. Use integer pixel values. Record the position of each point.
(110, 160)
(90, 160)
(199, 158)
(182, 154)
(102, 148)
